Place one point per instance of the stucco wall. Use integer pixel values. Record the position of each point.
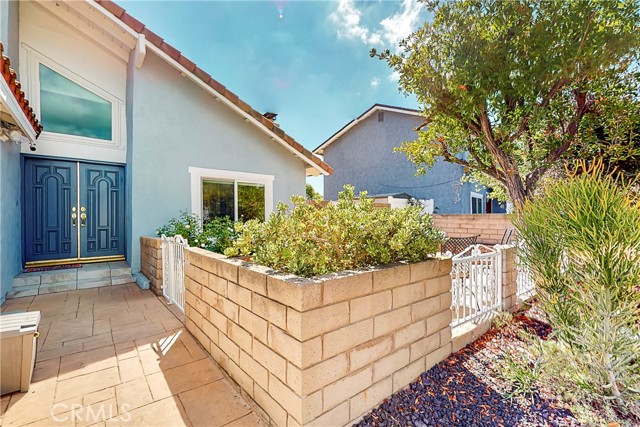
(364, 157)
(9, 29)
(175, 125)
(10, 224)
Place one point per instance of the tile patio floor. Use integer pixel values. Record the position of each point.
(116, 356)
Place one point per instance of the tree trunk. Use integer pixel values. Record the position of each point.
(517, 192)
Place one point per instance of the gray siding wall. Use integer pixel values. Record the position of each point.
(364, 158)
(10, 207)
(174, 124)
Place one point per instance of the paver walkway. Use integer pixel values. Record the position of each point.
(118, 356)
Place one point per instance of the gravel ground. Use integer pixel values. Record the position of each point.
(465, 390)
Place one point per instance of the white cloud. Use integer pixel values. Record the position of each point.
(347, 19)
(375, 82)
(399, 26)
(394, 76)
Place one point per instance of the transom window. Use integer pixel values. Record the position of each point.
(68, 108)
(477, 203)
(237, 195)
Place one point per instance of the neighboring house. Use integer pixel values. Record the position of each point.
(133, 133)
(361, 154)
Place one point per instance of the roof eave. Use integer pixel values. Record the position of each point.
(376, 107)
(292, 146)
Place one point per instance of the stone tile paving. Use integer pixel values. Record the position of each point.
(118, 356)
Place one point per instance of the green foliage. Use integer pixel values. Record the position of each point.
(310, 240)
(517, 85)
(501, 319)
(216, 235)
(523, 374)
(582, 244)
(312, 194)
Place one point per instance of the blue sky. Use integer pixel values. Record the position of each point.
(308, 61)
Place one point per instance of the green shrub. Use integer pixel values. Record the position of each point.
(311, 239)
(216, 235)
(582, 244)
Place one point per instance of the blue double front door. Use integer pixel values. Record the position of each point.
(73, 211)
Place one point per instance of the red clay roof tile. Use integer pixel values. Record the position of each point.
(175, 54)
(9, 76)
(187, 63)
(153, 38)
(132, 22)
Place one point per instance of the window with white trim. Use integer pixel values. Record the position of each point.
(477, 203)
(238, 195)
(70, 109)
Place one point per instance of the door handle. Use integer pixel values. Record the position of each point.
(73, 219)
(83, 217)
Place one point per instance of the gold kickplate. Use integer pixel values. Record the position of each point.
(74, 261)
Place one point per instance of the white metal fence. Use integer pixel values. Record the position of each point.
(173, 269)
(476, 283)
(525, 288)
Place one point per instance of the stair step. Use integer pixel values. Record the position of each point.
(23, 291)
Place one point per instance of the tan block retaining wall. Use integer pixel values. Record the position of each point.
(151, 262)
(319, 351)
(490, 227)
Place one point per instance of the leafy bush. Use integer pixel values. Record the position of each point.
(312, 239)
(216, 235)
(582, 243)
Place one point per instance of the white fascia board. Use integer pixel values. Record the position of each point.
(15, 110)
(363, 117)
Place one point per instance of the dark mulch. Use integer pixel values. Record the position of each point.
(465, 389)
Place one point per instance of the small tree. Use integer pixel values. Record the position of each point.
(311, 193)
(509, 87)
(583, 246)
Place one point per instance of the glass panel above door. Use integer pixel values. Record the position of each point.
(67, 108)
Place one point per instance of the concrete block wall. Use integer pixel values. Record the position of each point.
(510, 300)
(320, 351)
(151, 262)
(490, 227)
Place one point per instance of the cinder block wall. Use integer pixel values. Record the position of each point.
(151, 262)
(319, 351)
(510, 300)
(490, 227)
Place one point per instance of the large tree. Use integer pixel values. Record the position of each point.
(509, 87)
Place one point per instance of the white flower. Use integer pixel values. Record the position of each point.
(202, 245)
(187, 226)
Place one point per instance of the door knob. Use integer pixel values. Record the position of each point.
(83, 217)
(73, 219)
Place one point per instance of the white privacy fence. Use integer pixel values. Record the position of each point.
(173, 269)
(476, 283)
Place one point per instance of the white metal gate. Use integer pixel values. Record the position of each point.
(525, 288)
(476, 283)
(173, 269)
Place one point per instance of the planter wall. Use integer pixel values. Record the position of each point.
(151, 262)
(320, 351)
